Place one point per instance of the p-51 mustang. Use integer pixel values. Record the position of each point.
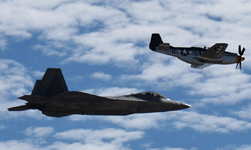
(198, 57)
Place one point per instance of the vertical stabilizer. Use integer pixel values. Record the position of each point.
(52, 84)
(35, 87)
(155, 41)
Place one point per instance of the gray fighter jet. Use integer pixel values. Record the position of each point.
(198, 57)
(51, 96)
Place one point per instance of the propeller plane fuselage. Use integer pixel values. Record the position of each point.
(198, 57)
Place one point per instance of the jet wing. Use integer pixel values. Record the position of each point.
(200, 66)
(215, 52)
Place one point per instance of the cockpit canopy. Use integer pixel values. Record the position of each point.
(201, 46)
(149, 96)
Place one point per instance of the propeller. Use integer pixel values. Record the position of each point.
(239, 57)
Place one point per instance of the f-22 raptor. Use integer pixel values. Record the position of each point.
(198, 57)
(51, 96)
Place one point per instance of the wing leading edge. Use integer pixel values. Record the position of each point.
(216, 51)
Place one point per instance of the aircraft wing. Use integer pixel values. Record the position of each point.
(215, 52)
(200, 66)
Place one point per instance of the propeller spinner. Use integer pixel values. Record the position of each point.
(239, 57)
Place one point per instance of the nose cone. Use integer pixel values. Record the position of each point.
(239, 59)
(242, 58)
(179, 106)
(184, 106)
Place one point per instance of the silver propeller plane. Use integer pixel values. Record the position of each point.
(51, 96)
(198, 57)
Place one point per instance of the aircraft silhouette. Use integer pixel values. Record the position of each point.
(198, 57)
(51, 96)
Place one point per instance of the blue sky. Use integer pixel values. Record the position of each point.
(102, 48)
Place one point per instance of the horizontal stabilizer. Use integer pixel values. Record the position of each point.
(19, 108)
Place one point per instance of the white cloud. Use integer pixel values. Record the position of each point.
(208, 123)
(174, 73)
(48, 50)
(14, 81)
(111, 31)
(81, 117)
(166, 148)
(110, 138)
(138, 121)
(244, 147)
(228, 86)
(234, 147)
(13, 78)
(76, 78)
(218, 84)
(80, 146)
(59, 145)
(117, 136)
(148, 147)
(101, 75)
(20, 145)
(6, 115)
(169, 148)
(3, 43)
(177, 119)
(2, 126)
(118, 33)
(38, 73)
(135, 121)
(38, 131)
(244, 112)
(222, 84)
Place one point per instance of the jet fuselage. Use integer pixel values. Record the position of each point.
(51, 96)
(82, 103)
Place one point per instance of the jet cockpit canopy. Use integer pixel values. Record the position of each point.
(149, 96)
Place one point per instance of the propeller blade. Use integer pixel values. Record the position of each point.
(239, 49)
(243, 50)
(240, 65)
(236, 65)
